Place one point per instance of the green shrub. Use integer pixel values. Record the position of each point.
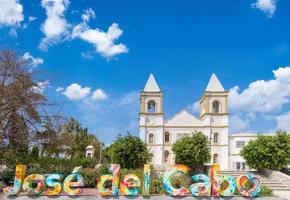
(6, 176)
(156, 186)
(266, 192)
(90, 176)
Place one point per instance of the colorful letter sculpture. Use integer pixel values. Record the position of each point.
(72, 183)
(54, 185)
(114, 178)
(215, 176)
(166, 180)
(221, 185)
(201, 186)
(130, 185)
(30, 180)
(19, 176)
(214, 185)
(227, 186)
(146, 181)
(254, 181)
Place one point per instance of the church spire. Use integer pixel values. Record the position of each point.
(214, 85)
(151, 85)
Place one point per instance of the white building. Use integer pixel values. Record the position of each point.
(90, 150)
(160, 133)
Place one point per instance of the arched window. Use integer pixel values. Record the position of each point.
(150, 159)
(151, 138)
(167, 137)
(151, 107)
(216, 138)
(166, 156)
(215, 158)
(215, 107)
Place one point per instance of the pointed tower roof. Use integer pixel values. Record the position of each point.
(151, 85)
(214, 85)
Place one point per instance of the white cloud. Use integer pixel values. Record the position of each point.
(41, 86)
(262, 96)
(59, 89)
(267, 6)
(87, 55)
(237, 124)
(76, 92)
(194, 108)
(11, 13)
(55, 26)
(88, 14)
(99, 94)
(34, 61)
(104, 42)
(32, 18)
(283, 122)
(117, 114)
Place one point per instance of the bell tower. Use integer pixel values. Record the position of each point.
(151, 119)
(214, 113)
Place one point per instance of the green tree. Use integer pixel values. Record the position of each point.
(129, 151)
(268, 152)
(76, 139)
(193, 151)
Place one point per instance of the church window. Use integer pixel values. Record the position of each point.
(166, 156)
(215, 158)
(167, 137)
(150, 159)
(240, 144)
(215, 107)
(151, 107)
(216, 138)
(151, 138)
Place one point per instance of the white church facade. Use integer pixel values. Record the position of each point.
(160, 133)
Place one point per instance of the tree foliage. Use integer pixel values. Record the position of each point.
(70, 140)
(22, 105)
(128, 151)
(268, 152)
(193, 151)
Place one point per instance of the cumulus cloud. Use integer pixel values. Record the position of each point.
(34, 61)
(99, 94)
(263, 95)
(11, 13)
(76, 92)
(237, 124)
(104, 42)
(55, 27)
(283, 122)
(267, 6)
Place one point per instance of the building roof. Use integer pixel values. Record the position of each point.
(90, 147)
(183, 118)
(151, 85)
(214, 85)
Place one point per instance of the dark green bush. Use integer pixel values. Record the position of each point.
(6, 176)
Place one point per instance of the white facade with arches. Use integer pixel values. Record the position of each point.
(160, 133)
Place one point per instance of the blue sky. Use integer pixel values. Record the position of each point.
(100, 54)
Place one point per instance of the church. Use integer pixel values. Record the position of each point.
(160, 134)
